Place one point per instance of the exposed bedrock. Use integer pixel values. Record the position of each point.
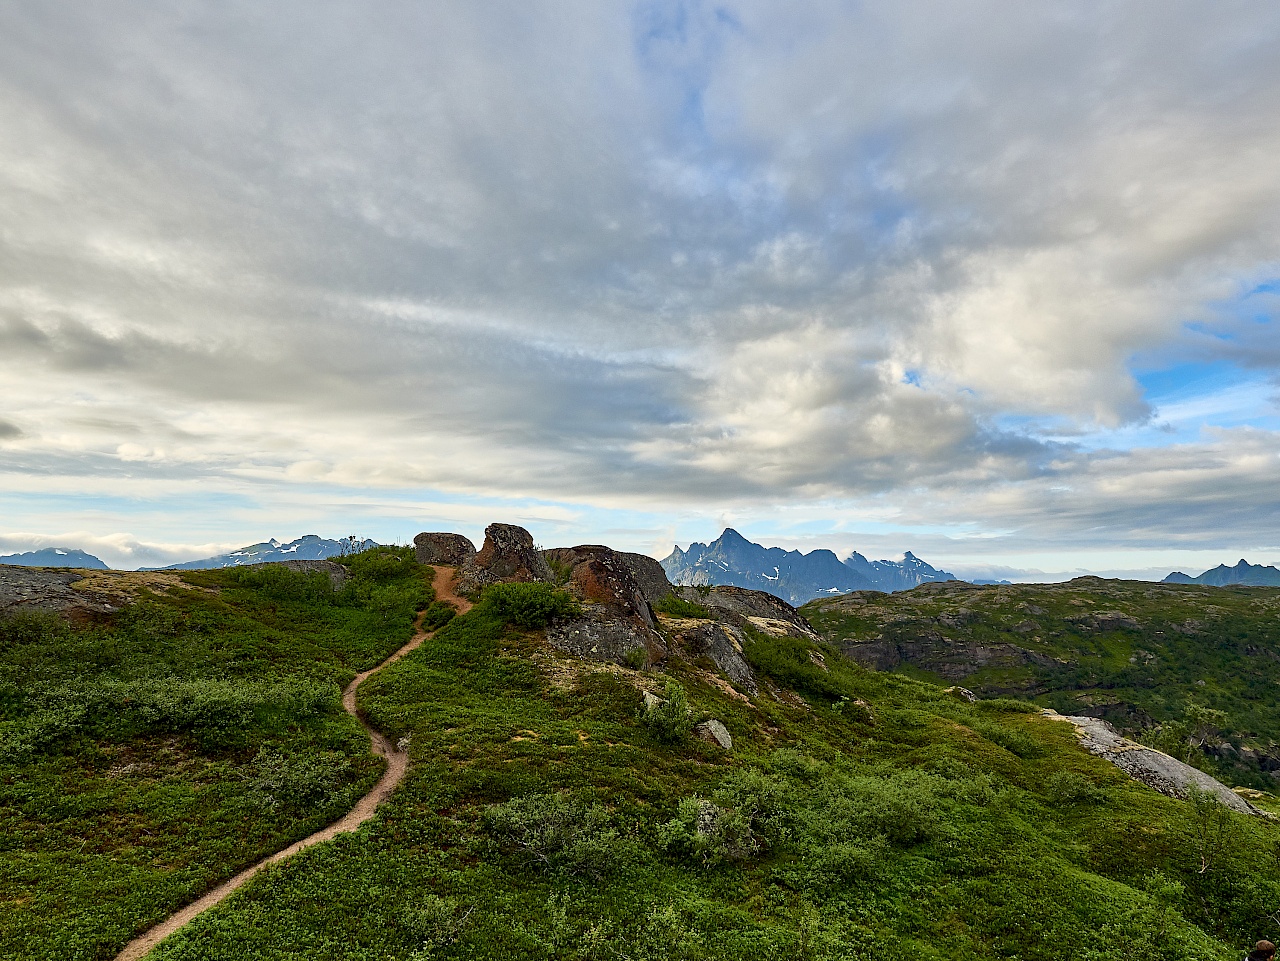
(750, 608)
(1153, 768)
(452, 550)
(508, 555)
(617, 623)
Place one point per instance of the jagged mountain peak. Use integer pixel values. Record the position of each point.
(794, 576)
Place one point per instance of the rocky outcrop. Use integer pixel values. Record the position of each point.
(30, 589)
(718, 642)
(746, 607)
(950, 659)
(508, 555)
(649, 576)
(82, 595)
(451, 550)
(1153, 768)
(617, 623)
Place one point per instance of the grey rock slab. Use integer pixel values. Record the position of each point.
(1153, 768)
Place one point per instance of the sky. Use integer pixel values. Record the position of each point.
(995, 283)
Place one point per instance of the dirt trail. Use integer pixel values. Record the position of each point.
(397, 766)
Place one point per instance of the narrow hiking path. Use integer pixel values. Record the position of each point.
(397, 766)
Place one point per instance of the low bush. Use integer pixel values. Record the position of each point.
(670, 720)
(438, 615)
(559, 833)
(532, 606)
(674, 605)
(1068, 787)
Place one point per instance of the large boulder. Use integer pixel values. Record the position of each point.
(508, 555)
(617, 623)
(649, 576)
(452, 550)
(756, 609)
(1153, 768)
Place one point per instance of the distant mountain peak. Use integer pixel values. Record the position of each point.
(733, 560)
(55, 557)
(309, 547)
(1243, 574)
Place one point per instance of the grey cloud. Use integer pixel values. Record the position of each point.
(9, 431)
(689, 257)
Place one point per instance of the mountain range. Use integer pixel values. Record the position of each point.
(1244, 573)
(733, 560)
(310, 547)
(55, 557)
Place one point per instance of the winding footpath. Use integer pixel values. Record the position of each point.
(397, 766)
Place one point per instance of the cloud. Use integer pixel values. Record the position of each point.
(668, 256)
(9, 431)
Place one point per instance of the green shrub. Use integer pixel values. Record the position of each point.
(669, 720)
(438, 615)
(674, 605)
(1068, 787)
(381, 564)
(559, 833)
(527, 605)
(283, 779)
(705, 833)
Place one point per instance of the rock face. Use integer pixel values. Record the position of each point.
(452, 550)
(24, 589)
(1153, 768)
(508, 555)
(748, 607)
(649, 576)
(617, 623)
(718, 641)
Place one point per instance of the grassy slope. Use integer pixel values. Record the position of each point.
(544, 819)
(147, 759)
(1218, 648)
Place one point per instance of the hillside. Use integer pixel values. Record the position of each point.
(732, 560)
(1156, 660)
(568, 794)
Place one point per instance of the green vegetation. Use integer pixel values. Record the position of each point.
(148, 757)
(527, 605)
(674, 605)
(549, 815)
(545, 818)
(1192, 670)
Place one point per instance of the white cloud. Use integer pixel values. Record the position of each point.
(668, 257)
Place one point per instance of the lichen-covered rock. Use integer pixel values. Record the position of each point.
(451, 550)
(1153, 768)
(714, 732)
(508, 555)
(719, 642)
(24, 589)
(617, 623)
(748, 608)
(649, 576)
